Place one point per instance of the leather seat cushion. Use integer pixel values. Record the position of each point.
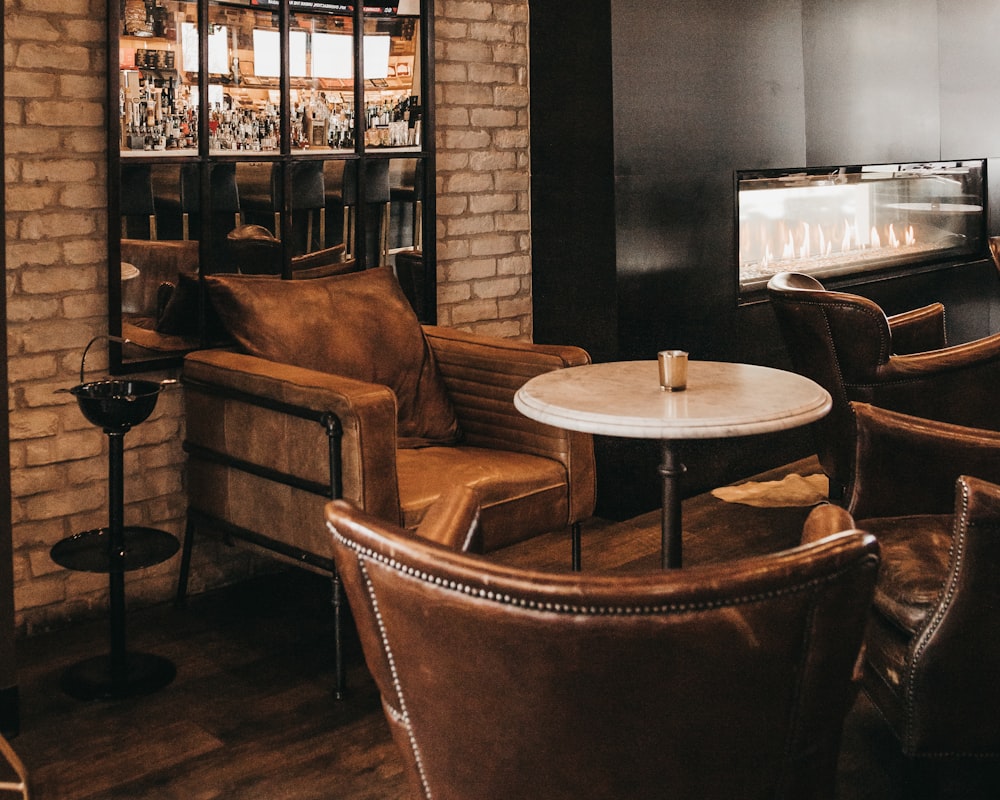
(359, 325)
(520, 495)
(915, 553)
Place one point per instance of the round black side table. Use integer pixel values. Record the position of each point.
(116, 406)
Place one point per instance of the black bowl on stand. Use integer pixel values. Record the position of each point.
(115, 404)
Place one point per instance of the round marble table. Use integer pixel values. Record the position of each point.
(624, 398)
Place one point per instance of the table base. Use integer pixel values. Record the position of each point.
(94, 678)
(671, 469)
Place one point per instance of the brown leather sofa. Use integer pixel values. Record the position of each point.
(338, 391)
(713, 682)
(850, 347)
(932, 646)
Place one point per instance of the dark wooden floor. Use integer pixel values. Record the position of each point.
(250, 714)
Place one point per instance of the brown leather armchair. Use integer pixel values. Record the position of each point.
(932, 646)
(339, 392)
(721, 681)
(853, 350)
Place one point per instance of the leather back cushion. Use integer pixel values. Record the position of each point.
(359, 325)
(180, 316)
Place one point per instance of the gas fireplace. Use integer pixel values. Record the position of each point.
(835, 221)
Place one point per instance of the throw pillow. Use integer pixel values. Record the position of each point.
(179, 315)
(359, 325)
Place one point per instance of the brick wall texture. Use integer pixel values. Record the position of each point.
(56, 259)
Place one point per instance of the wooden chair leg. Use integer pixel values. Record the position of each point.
(383, 256)
(348, 235)
(182, 578)
(21, 784)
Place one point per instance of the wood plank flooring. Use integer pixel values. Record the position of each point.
(250, 715)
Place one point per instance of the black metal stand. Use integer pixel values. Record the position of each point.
(116, 550)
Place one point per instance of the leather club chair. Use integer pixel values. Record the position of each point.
(254, 250)
(932, 646)
(336, 390)
(850, 347)
(717, 681)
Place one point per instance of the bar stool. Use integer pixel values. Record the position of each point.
(308, 194)
(340, 180)
(136, 198)
(408, 187)
(254, 181)
(377, 191)
(225, 194)
(342, 190)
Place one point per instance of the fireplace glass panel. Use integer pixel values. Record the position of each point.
(841, 220)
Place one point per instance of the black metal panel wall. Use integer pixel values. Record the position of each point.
(572, 177)
(700, 88)
(871, 77)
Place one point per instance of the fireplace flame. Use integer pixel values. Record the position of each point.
(787, 242)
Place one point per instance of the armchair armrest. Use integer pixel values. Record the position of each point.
(482, 374)
(953, 384)
(918, 330)
(270, 416)
(825, 520)
(975, 354)
(907, 465)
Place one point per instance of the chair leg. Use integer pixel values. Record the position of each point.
(575, 543)
(383, 256)
(182, 578)
(348, 234)
(21, 784)
(338, 644)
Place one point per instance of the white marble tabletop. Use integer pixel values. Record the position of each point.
(624, 398)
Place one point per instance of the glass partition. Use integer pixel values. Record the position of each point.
(257, 136)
